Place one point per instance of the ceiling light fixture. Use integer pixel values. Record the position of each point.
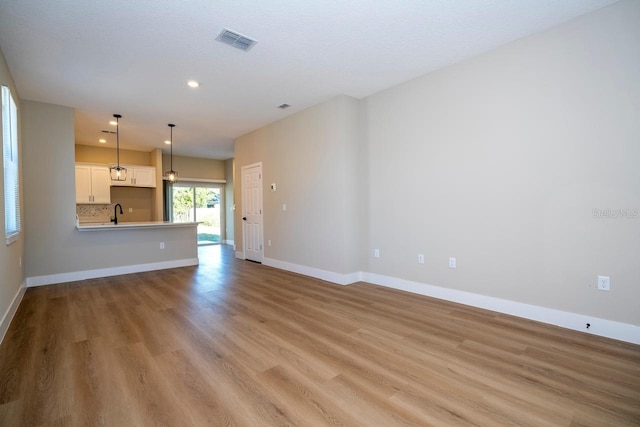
(193, 84)
(102, 141)
(114, 122)
(118, 173)
(167, 142)
(171, 176)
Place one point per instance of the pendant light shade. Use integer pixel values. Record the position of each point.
(171, 176)
(118, 173)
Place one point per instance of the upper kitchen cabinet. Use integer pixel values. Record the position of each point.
(138, 176)
(92, 184)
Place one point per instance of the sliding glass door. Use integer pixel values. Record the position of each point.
(199, 202)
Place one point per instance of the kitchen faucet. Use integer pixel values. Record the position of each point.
(115, 213)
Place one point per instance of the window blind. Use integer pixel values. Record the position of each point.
(11, 166)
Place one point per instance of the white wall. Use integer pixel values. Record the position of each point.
(501, 160)
(498, 161)
(312, 157)
(195, 167)
(12, 280)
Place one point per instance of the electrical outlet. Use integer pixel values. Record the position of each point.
(268, 242)
(604, 283)
(452, 262)
(420, 259)
(161, 245)
(376, 253)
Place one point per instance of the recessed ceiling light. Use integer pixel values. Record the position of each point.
(193, 83)
(167, 142)
(113, 123)
(102, 141)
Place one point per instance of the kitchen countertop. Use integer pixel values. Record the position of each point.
(106, 226)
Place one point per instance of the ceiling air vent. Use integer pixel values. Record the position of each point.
(236, 40)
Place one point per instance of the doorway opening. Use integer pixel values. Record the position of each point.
(201, 203)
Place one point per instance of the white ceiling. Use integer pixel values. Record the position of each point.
(134, 57)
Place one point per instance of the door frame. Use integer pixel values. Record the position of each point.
(243, 213)
(207, 183)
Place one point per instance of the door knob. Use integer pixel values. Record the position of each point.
(244, 218)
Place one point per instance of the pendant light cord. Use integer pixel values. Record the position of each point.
(118, 140)
(117, 116)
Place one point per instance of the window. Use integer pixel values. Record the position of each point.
(11, 171)
(198, 202)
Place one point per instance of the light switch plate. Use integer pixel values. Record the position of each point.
(604, 283)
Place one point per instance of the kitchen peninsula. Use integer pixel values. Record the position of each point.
(58, 251)
(109, 226)
(126, 248)
(118, 224)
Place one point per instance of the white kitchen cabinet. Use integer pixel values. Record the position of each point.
(144, 176)
(92, 184)
(138, 176)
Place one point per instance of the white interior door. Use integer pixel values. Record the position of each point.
(252, 212)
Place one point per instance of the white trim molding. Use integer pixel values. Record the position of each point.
(11, 311)
(106, 272)
(239, 254)
(329, 276)
(229, 242)
(577, 322)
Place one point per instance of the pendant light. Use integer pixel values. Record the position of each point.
(171, 175)
(118, 173)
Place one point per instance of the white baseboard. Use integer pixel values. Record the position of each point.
(11, 311)
(229, 242)
(240, 255)
(329, 276)
(577, 322)
(106, 272)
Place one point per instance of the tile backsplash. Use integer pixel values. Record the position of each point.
(94, 213)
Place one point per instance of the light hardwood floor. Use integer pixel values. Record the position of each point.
(235, 343)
